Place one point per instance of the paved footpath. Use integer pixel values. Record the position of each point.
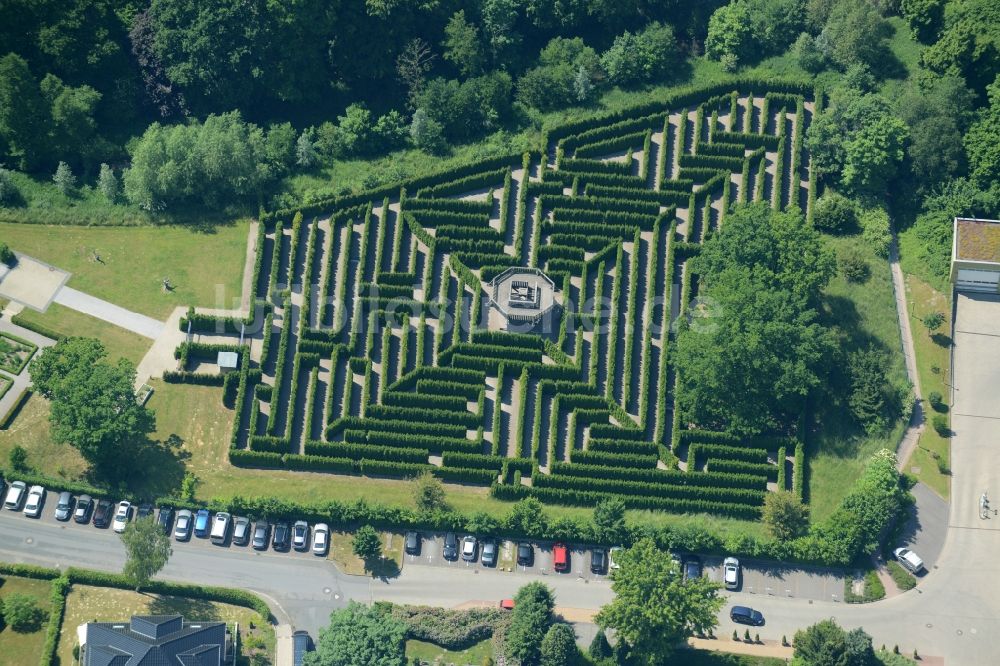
(109, 312)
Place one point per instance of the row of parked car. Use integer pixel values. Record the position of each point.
(487, 550)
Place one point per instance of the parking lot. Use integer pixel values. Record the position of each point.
(432, 544)
(772, 578)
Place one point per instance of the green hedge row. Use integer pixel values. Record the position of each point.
(502, 352)
(269, 444)
(711, 162)
(723, 149)
(456, 232)
(468, 419)
(767, 141)
(392, 469)
(583, 165)
(464, 184)
(504, 339)
(619, 487)
(659, 197)
(472, 461)
(443, 373)
(433, 443)
(613, 459)
(451, 403)
(697, 453)
(741, 467)
(664, 476)
(621, 445)
(589, 243)
(610, 145)
(420, 427)
(620, 203)
(200, 378)
(574, 254)
(588, 498)
(798, 471)
(439, 387)
(609, 431)
(478, 208)
(609, 231)
(362, 451)
(482, 477)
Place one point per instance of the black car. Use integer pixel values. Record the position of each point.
(301, 643)
(692, 567)
(84, 507)
(525, 554)
(746, 615)
(598, 561)
(412, 545)
(165, 519)
(103, 513)
(450, 550)
(282, 539)
(145, 510)
(261, 535)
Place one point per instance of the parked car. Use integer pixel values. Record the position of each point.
(282, 537)
(103, 512)
(525, 554)
(321, 539)
(300, 535)
(910, 560)
(261, 535)
(731, 573)
(33, 505)
(507, 604)
(470, 548)
(182, 530)
(145, 511)
(489, 557)
(450, 550)
(614, 563)
(220, 528)
(560, 557)
(122, 516)
(201, 523)
(15, 495)
(598, 561)
(241, 531)
(165, 518)
(301, 643)
(412, 543)
(64, 507)
(692, 567)
(84, 506)
(746, 615)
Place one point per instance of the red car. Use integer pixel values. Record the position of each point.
(560, 557)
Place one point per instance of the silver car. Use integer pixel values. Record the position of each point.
(33, 505)
(15, 495)
(182, 526)
(64, 507)
(300, 535)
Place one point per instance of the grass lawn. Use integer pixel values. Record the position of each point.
(134, 260)
(342, 554)
(865, 314)
(103, 604)
(19, 648)
(433, 654)
(31, 430)
(931, 353)
(119, 342)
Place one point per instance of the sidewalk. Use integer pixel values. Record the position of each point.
(916, 426)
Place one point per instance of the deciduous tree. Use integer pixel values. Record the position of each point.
(360, 634)
(366, 544)
(654, 609)
(147, 550)
(530, 620)
(784, 514)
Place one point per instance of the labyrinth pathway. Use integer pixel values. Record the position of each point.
(383, 356)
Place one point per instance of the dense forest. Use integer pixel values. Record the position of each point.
(174, 103)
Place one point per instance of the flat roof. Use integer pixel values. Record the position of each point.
(228, 359)
(523, 293)
(977, 240)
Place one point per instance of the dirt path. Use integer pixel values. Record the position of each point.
(916, 426)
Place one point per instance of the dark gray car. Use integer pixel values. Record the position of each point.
(84, 505)
(450, 550)
(241, 531)
(489, 556)
(64, 507)
(261, 535)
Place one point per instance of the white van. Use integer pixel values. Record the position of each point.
(910, 560)
(220, 528)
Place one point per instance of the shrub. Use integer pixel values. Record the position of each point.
(21, 613)
(936, 401)
(450, 629)
(940, 423)
(904, 579)
(853, 266)
(10, 195)
(876, 231)
(7, 255)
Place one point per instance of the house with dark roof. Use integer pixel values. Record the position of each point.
(154, 640)
(975, 255)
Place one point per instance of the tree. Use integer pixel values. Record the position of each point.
(870, 399)
(876, 231)
(64, 179)
(583, 85)
(856, 33)
(21, 612)
(530, 620)
(93, 404)
(968, 44)
(10, 195)
(462, 46)
(558, 646)
(23, 113)
(213, 163)
(654, 609)
(808, 54)
(360, 634)
(609, 518)
(599, 647)
(366, 544)
(747, 360)
(73, 129)
(412, 66)
(747, 30)
(428, 493)
(853, 266)
(499, 19)
(924, 16)
(873, 155)
(826, 644)
(642, 57)
(835, 213)
(427, 134)
(107, 184)
(526, 517)
(932, 321)
(7, 255)
(305, 148)
(784, 514)
(18, 458)
(147, 550)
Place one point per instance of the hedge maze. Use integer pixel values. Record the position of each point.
(372, 347)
